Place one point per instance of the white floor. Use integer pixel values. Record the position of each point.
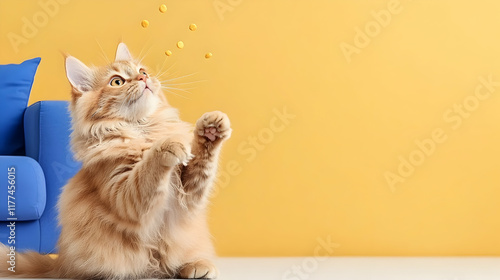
(359, 268)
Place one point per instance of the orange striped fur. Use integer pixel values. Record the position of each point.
(137, 208)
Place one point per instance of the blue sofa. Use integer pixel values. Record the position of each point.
(33, 182)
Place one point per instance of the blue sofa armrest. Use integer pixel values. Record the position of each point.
(47, 128)
(22, 196)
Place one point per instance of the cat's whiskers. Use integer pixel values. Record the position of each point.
(178, 78)
(181, 89)
(161, 67)
(186, 83)
(144, 56)
(160, 73)
(142, 50)
(171, 88)
(170, 85)
(176, 94)
(103, 54)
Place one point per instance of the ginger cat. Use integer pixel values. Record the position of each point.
(137, 208)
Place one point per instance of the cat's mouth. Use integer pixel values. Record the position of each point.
(144, 91)
(146, 87)
(140, 93)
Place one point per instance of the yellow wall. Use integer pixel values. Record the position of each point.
(406, 98)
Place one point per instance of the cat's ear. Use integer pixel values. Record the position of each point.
(122, 53)
(79, 75)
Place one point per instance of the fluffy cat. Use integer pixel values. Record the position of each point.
(137, 207)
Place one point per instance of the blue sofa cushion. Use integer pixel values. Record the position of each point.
(15, 87)
(24, 235)
(47, 126)
(22, 196)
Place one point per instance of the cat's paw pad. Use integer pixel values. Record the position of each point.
(199, 270)
(214, 126)
(211, 133)
(174, 152)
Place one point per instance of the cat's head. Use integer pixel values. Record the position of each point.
(124, 90)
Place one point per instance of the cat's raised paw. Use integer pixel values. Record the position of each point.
(214, 126)
(202, 269)
(173, 152)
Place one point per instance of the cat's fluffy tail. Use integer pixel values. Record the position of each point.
(26, 264)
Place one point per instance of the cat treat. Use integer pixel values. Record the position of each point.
(163, 8)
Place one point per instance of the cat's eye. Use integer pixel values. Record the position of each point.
(143, 72)
(116, 81)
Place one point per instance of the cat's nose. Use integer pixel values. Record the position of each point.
(142, 77)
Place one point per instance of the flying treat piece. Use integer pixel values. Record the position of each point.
(145, 23)
(180, 44)
(193, 27)
(208, 55)
(168, 53)
(163, 8)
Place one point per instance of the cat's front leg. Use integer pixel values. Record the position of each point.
(212, 129)
(172, 151)
(148, 181)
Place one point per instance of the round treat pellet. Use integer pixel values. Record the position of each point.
(145, 23)
(180, 44)
(163, 8)
(168, 53)
(193, 27)
(208, 55)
